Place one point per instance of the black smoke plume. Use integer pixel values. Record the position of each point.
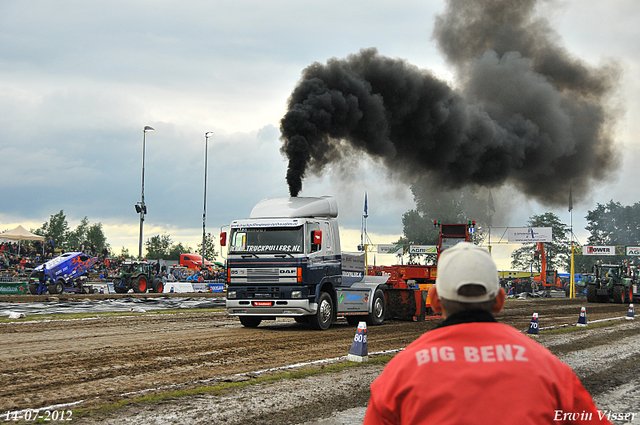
(526, 113)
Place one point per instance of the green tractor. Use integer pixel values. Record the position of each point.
(139, 276)
(610, 283)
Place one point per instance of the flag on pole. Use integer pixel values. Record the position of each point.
(570, 200)
(366, 208)
(491, 206)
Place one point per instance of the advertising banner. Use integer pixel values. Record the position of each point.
(390, 249)
(13, 288)
(529, 234)
(598, 250)
(423, 249)
(633, 250)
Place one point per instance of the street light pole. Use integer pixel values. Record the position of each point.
(204, 209)
(141, 207)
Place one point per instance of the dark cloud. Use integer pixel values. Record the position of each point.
(526, 112)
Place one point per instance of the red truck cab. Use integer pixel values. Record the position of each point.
(194, 261)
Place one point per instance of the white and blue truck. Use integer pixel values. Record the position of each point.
(62, 274)
(285, 261)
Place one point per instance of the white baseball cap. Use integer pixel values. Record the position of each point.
(466, 264)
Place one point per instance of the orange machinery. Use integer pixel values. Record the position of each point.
(409, 284)
(547, 279)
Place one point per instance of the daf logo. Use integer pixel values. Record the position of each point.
(285, 271)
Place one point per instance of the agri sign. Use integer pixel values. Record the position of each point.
(633, 250)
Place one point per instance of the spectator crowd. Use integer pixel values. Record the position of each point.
(17, 262)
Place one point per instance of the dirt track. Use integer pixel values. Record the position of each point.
(104, 360)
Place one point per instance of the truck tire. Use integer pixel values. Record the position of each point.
(324, 316)
(33, 288)
(56, 288)
(250, 321)
(591, 294)
(139, 284)
(618, 294)
(376, 317)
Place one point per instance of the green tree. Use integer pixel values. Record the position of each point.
(610, 224)
(96, 236)
(78, 235)
(558, 252)
(157, 247)
(56, 228)
(210, 245)
(176, 249)
(614, 224)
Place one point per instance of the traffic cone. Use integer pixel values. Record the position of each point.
(359, 351)
(533, 326)
(582, 320)
(630, 312)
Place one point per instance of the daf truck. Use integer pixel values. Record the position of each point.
(285, 260)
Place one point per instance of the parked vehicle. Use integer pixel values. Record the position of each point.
(194, 261)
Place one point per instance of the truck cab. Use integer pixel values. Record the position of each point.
(285, 261)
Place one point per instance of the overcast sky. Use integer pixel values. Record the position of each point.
(80, 80)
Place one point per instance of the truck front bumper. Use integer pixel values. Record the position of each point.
(278, 308)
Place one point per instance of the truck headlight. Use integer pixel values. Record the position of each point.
(296, 294)
(231, 295)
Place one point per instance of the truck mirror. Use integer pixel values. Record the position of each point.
(316, 237)
(223, 239)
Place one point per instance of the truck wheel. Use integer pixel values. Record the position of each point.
(376, 317)
(618, 294)
(250, 321)
(33, 288)
(120, 289)
(591, 294)
(140, 284)
(323, 317)
(56, 288)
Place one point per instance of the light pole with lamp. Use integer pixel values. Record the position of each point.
(141, 207)
(204, 209)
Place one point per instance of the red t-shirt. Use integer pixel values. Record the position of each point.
(479, 373)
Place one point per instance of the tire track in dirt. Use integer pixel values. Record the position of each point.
(47, 363)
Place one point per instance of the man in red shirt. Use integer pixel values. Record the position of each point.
(459, 372)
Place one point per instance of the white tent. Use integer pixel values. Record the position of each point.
(20, 234)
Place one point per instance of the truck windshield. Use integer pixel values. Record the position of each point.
(267, 240)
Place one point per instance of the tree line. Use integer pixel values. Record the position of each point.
(157, 247)
(609, 224)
